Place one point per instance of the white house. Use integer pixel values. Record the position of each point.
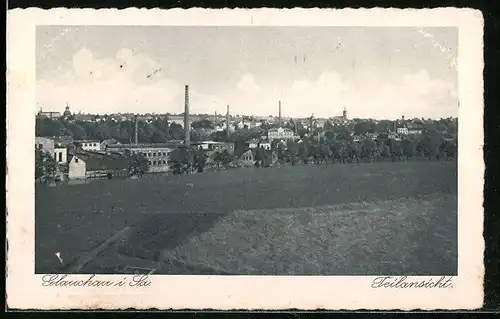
(76, 168)
(265, 145)
(89, 145)
(280, 134)
(402, 130)
(61, 155)
(414, 128)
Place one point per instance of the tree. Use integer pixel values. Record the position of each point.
(384, 126)
(137, 164)
(203, 124)
(408, 148)
(361, 128)
(181, 160)
(158, 137)
(223, 158)
(429, 144)
(200, 160)
(176, 131)
(367, 149)
(45, 167)
(328, 126)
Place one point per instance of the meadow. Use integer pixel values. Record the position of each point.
(343, 219)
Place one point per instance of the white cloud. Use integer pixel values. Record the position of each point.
(247, 84)
(120, 84)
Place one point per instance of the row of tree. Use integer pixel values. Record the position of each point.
(161, 130)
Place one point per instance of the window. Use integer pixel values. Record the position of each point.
(154, 162)
(40, 146)
(164, 154)
(76, 160)
(60, 157)
(94, 144)
(154, 154)
(149, 162)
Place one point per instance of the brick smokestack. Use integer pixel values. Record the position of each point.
(136, 131)
(227, 122)
(186, 115)
(279, 113)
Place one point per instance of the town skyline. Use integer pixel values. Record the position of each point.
(408, 71)
(222, 115)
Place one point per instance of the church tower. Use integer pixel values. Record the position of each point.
(344, 114)
(67, 112)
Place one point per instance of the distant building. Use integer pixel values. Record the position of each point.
(409, 129)
(44, 144)
(88, 145)
(280, 134)
(94, 165)
(157, 154)
(265, 145)
(414, 128)
(214, 146)
(246, 156)
(402, 130)
(104, 144)
(49, 115)
(84, 117)
(67, 113)
(252, 143)
(340, 119)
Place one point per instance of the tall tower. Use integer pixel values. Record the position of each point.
(227, 122)
(186, 116)
(136, 130)
(344, 114)
(279, 113)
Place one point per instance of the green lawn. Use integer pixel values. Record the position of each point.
(406, 204)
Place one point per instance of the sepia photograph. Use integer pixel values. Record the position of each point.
(246, 150)
(243, 154)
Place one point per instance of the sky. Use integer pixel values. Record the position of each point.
(374, 72)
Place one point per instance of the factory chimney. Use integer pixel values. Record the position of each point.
(279, 113)
(136, 131)
(227, 122)
(186, 116)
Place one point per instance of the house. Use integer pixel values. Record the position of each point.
(63, 141)
(245, 156)
(214, 146)
(158, 155)
(83, 117)
(414, 128)
(44, 144)
(49, 115)
(280, 134)
(254, 124)
(104, 144)
(403, 130)
(84, 165)
(394, 136)
(76, 167)
(61, 155)
(88, 145)
(265, 145)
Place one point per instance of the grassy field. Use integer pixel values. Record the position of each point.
(335, 219)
